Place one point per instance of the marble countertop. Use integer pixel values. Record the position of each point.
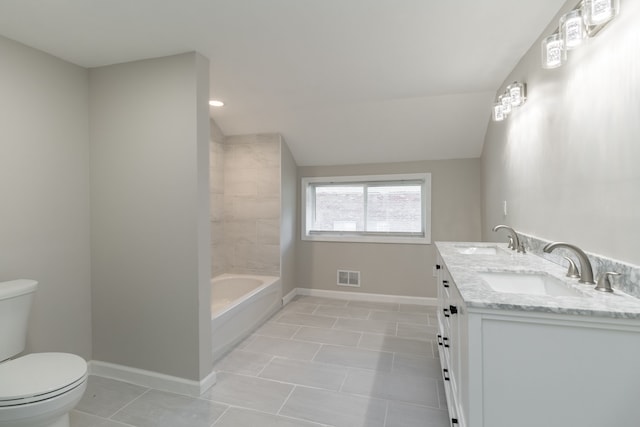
(465, 269)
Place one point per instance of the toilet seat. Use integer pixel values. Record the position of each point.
(39, 376)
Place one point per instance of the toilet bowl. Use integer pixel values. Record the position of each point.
(39, 389)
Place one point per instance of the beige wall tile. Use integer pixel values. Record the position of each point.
(236, 232)
(241, 182)
(268, 231)
(252, 155)
(219, 263)
(247, 210)
(216, 168)
(251, 208)
(255, 258)
(216, 202)
(265, 258)
(217, 232)
(268, 182)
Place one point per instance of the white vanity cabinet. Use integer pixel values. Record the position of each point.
(527, 368)
(452, 342)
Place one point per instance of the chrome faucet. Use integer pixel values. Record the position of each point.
(514, 240)
(604, 282)
(586, 272)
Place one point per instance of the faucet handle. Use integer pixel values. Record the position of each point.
(521, 248)
(604, 282)
(511, 244)
(573, 270)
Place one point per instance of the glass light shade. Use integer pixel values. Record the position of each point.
(505, 100)
(572, 29)
(498, 114)
(552, 52)
(598, 12)
(518, 93)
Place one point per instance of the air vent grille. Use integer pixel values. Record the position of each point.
(349, 278)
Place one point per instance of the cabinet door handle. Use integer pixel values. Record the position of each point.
(438, 267)
(446, 312)
(453, 309)
(439, 339)
(445, 374)
(454, 421)
(445, 283)
(445, 342)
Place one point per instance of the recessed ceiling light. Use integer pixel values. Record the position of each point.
(216, 103)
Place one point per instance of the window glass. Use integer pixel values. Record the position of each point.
(394, 209)
(338, 208)
(379, 209)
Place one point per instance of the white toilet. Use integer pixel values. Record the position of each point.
(38, 389)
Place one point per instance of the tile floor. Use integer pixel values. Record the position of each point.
(317, 362)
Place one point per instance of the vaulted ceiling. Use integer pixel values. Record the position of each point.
(344, 81)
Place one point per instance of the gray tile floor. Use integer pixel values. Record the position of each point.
(317, 362)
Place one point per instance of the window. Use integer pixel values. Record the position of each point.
(379, 209)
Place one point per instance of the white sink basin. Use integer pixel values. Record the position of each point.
(528, 283)
(477, 250)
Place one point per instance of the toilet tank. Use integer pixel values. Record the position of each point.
(15, 303)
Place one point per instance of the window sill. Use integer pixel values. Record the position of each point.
(366, 239)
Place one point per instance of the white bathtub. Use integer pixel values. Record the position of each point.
(239, 304)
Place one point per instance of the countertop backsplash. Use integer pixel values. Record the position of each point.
(628, 281)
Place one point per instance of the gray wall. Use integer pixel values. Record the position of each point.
(203, 230)
(252, 204)
(150, 215)
(567, 162)
(398, 269)
(44, 188)
(288, 218)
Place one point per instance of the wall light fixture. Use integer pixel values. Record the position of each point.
(596, 13)
(585, 20)
(514, 96)
(518, 93)
(498, 114)
(572, 29)
(553, 53)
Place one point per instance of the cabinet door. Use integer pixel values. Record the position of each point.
(444, 315)
(443, 294)
(440, 277)
(559, 372)
(453, 313)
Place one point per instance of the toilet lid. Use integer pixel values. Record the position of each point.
(36, 376)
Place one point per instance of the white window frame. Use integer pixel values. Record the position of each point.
(307, 211)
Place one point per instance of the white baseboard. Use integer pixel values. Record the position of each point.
(194, 388)
(152, 379)
(360, 296)
(288, 297)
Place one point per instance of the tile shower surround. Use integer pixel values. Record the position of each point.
(216, 210)
(317, 362)
(252, 204)
(245, 204)
(628, 281)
